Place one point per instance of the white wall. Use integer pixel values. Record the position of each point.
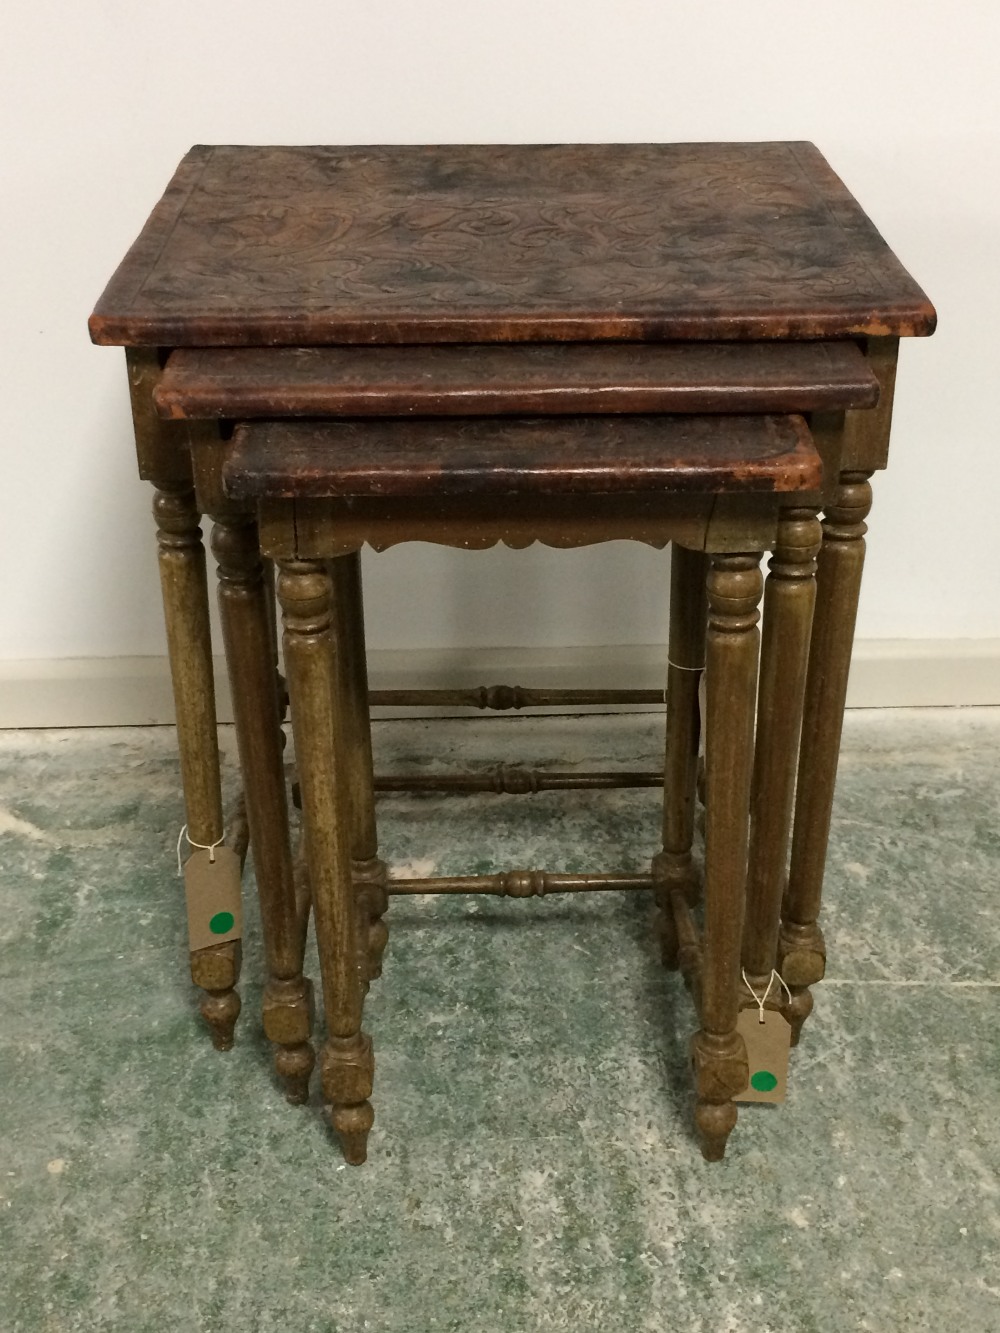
(101, 99)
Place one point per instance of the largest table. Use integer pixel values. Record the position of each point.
(261, 247)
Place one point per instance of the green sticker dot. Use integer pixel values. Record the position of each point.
(763, 1081)
(222, 923)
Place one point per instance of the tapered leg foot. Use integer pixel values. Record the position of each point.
(797, 1010)
(714, 1124)
(348, 1071)
(721, 1070)
(802, 963)
(220, 1010)
(216, 971)
(288, 1021)
(294, 1066)
(351, 1125)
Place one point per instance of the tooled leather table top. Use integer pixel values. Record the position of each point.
(284, 246)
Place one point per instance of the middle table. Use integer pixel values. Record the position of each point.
(708, 483)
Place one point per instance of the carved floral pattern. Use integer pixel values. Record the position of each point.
(599, 233)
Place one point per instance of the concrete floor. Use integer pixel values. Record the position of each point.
(531, 1166)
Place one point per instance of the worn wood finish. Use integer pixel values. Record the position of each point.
(519, 884)
(346, 1062)
(522, 380)
(282, 257)
(246, 627)
(163, 458)
(801, 948)
(501, 698)
(160, 446)
(506, 243)
(368, 870)
(718, 1052)
(183, 582)
(547, 456)
(271, 606)
(508, 781)
(789, 597)
(184, 586)
(673, 866)
(316, 529)
(505, 780)
(853, 444)
(865, 443)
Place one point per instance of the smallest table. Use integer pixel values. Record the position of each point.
(722, 489)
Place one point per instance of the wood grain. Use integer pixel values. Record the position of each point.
(243, 594)
(518, 379)
(717, 1050)
(789, 598)
(286, 246)
(801, 947)
(534, 456)
(310, 645)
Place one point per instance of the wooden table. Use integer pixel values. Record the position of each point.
(323, 248)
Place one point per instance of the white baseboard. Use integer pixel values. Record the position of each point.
(135, 691)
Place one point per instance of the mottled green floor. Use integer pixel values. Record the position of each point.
(531, 1165)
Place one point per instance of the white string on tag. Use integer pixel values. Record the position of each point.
(677, 666)
(202, 847)
(761, 1000)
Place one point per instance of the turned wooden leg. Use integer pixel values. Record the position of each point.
(718, 1051)
(246, 627)
(184, 586)
(347, 1062)
(801, 948)
(272, 624)
(370, 874)
(789, 597)
(673, 867)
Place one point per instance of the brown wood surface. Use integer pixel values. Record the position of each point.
(732, 645)
(183, 583)
(367, 869)
(801, 947)
(483, 456)
(521, 884)
(316, 245)
(246, 629)
(502, 698)
(523, 379)
(789, 598)
(674, 868)
(504, 780)
(316, 529)
(310, 646)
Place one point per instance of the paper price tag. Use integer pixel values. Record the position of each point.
(768, 1044)
(214, 900)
